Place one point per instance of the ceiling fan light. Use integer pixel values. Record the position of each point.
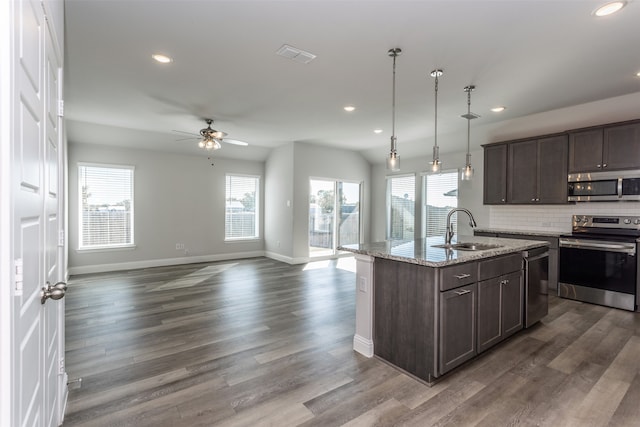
(202, 143)
(209, 144)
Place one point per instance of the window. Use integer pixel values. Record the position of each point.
(440, 195)
(401, 207)
(106, 206)
(241, 207)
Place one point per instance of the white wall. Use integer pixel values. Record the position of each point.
(278, 213)
(314, 161)
(178, 199)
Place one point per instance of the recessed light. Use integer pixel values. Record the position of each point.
(163, 59)
(609, 8)
(498, 109)
(377, 131)
(638, 74)
(349, 108)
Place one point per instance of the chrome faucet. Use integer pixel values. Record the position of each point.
(448, 234)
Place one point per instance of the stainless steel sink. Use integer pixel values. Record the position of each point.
(468, 246)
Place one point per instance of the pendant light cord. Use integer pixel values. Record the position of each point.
(393, 103)
(435, 142)
(468, 121)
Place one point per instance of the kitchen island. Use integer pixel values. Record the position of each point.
(426, 309)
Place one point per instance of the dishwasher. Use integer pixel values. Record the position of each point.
(536, 298)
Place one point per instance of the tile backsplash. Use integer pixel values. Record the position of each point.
(556, 218)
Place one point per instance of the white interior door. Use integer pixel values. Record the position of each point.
(36, 359)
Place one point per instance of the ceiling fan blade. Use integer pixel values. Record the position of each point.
(191, 138)
(188, 133)
(235, 142)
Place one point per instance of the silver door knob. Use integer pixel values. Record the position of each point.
(54, 292)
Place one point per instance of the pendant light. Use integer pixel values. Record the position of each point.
(467, 172)
(393, 161)
(436, 164)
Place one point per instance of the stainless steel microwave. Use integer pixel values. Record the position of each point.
(604, 186)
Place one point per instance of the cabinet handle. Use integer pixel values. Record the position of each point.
(604, 165)
(461, 276)
(462, 292)
(502, 200)
(533, 200)
(598, 166)
(505, 282)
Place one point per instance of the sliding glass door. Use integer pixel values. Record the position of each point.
(334, 216)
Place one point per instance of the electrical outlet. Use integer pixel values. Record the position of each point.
(179, 246)
(362, 284)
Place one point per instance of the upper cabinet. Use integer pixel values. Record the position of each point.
(612, 147)
(532, 171)
(495, 174)
(537, 171)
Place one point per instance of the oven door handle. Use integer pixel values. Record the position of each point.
(627, 248)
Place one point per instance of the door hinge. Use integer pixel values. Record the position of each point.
(61, 238)
(61, 108)
(18, 275)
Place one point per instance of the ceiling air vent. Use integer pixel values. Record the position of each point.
(295, 54)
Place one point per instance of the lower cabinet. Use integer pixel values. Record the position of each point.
(457, 326)
(500, 305)
(428, 321)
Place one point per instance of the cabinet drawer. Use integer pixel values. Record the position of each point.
(458, 275)
(501, 265)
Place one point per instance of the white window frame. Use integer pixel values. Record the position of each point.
(257, 210)
(128, 245)
(389, 178)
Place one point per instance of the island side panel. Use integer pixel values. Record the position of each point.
(403, 327)
(363, 338)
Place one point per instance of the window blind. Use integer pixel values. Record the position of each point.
(401, 192)
(106, 206)
(441, 195)
(241, 207)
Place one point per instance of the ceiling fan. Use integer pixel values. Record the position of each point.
(210, 139)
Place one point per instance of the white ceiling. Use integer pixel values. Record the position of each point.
(529, 55)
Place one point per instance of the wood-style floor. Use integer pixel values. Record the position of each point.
(259, 342)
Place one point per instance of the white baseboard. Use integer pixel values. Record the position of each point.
(363, 346)
(287, 259)
(102, 268)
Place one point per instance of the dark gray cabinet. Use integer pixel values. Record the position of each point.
(621, 148)
(585, 150)
(611, 147)
(537, 171)
(457, 326)
(495, 174)
(554, 263)
(500, 300)
(403, 330)
(531, 171)
(426, 320)
(522, 185)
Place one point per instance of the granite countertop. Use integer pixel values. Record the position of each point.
(422, 252)
(522, 232)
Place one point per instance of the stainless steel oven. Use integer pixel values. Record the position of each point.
(599, 262)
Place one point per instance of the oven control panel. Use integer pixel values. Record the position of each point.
(601, 221)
